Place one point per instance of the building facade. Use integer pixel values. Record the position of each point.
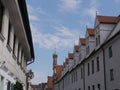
(41, 86)
(49, 83)
(94, 63)
(16, 47)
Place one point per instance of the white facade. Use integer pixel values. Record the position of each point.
(15, 49)
(98, 67)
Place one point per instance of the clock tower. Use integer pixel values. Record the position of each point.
(54, 62)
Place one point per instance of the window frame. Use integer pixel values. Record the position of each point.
(9, 36)
(93, 67)
(88, 65)
(111, 74)
(110, 51)
(98, 86)
(88, 87)
(81, 73)
(98, 64)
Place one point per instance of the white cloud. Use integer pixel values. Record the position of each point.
(117, 1)
(62, 38)
(91, 11)
(64, 31)
(39, 77)
(35, 13)
(68, 5)
(33, 17)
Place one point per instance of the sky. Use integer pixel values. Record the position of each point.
(59, 24)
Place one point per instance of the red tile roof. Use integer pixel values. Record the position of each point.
(66, 61)
(82, 41)
(91, 31)
(108, 19)
(59, 69)
(76, 47)
(70, 55)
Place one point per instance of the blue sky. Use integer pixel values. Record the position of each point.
(59, 24)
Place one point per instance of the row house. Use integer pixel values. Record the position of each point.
(16, 47)
(94, 63)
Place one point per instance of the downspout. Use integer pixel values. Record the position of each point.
(104, 67)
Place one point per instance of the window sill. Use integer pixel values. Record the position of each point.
(9, 48)
(2, 37)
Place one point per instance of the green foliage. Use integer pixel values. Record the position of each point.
(18, 86)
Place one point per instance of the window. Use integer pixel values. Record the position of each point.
(1, 15)
(18, 53)
(22, 61)
(96, 41)
(80, 56)
(98, 86)
(110, 52)
(88, 69)
(1, 82)
(10, 38)
(92, 66)
(111, 74)
(99, 39)
(88, 87)
(76, 76)
(81, 73)
(9, 33)
(98, 64)
(14, 44)
(93, 87)
(8, 85)
(72, 77)
(87, 50)
(21, 57)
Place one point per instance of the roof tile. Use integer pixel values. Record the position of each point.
(108, 19)
(76, 47)
(70, 55)
(91, 31)
(59, 69)
(82, 41)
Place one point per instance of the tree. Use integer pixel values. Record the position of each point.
(18, 86)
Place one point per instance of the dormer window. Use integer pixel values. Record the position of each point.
(77, 51)
(98, 39)
(110, 52)
(87, 50)
(80, 56)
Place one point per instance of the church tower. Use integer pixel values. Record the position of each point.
(54, 62)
